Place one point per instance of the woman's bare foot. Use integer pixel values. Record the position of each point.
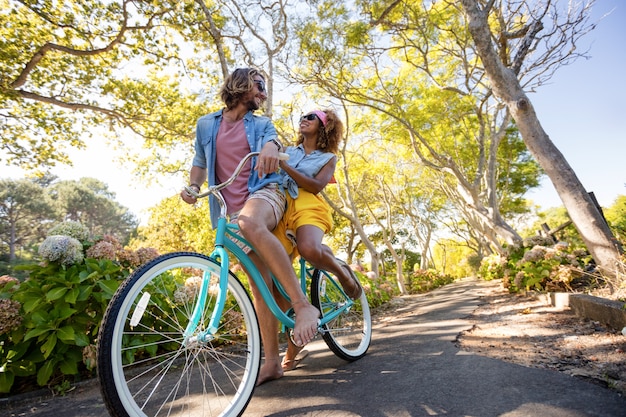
(291, 364)
(293, 356)
(272, 369)
(307, 322)
(350, 282)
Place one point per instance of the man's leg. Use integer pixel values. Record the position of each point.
(268, 324)
(256, 221)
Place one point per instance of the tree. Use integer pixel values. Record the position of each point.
(142, 72)
(410, 64)
(348, 206)
(25, 212)
(176, 226)
(90, 202)
(68, 76)
(522, 27)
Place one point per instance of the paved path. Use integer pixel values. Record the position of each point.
(412, 369)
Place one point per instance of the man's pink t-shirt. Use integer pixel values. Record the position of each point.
(232, 145)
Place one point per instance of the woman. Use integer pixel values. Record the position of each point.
(310, 167)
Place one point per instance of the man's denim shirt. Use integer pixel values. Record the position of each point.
(259, 131)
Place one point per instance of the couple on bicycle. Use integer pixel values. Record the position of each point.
(268, 205)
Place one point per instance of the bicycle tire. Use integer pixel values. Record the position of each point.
(348, 335)
(144, 368)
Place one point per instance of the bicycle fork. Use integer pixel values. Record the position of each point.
(192, 337)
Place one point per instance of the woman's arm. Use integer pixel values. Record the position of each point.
(313, 185)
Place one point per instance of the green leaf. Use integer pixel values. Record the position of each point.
(31, 304)
(17, 351)
(72, 279)
(24, 368)
(65, 311)
(85, 292)
(109, 286)
(40, 318)
(6, 381)
(69, 367)
(81, 339)
(37, 331)
(72, 295)
(48, 347)
(66, 334)
(56, 293)
(45, 372)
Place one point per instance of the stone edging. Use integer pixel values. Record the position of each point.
(611, 313)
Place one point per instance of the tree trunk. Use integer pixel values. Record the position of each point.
(584, 214)
(12, 240)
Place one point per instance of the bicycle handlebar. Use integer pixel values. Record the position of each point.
(215, 188)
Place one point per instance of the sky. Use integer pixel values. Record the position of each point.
(582, 109)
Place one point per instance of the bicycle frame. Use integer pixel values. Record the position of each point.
(223, 245)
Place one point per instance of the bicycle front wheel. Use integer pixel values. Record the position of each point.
(147, 367)
(349, 334)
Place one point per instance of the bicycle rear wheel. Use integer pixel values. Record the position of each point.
(144, 367)
(350, 333)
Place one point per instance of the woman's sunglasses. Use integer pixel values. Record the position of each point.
(311, 116)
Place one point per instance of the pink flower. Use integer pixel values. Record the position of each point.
(102, 250)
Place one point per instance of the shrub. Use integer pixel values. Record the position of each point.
(72, 229)
(536, 264)
(62, 307)
(49, 323)
(424, 280)
(378, 290)
(492, 267)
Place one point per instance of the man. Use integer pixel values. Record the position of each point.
(223, 138)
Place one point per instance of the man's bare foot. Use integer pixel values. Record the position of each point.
(271, 370)
(307, 322)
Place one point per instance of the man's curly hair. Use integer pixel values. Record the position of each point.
(237, 84)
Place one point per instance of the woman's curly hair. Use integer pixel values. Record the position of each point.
(330, 135)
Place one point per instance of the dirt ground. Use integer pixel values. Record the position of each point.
(526, 331)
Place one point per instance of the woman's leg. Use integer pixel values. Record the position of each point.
(310, 247)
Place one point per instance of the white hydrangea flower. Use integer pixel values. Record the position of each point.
(72, 229)
(60, 248)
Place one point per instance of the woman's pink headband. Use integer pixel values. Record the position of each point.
(320, 115)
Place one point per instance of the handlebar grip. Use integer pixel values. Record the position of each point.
(190, 191)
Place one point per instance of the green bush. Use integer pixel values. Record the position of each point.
(378, 290)
(537, 264)
(424, 280)
(52, 318)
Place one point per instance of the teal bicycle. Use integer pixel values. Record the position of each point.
(180, 337)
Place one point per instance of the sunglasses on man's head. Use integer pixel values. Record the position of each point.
(260, 85)
(311, 116)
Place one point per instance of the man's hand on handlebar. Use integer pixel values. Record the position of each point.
(267, 161)
(187, 194)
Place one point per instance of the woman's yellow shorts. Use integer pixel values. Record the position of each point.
(307, 209)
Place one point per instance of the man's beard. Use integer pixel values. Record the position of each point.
(252, 104)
